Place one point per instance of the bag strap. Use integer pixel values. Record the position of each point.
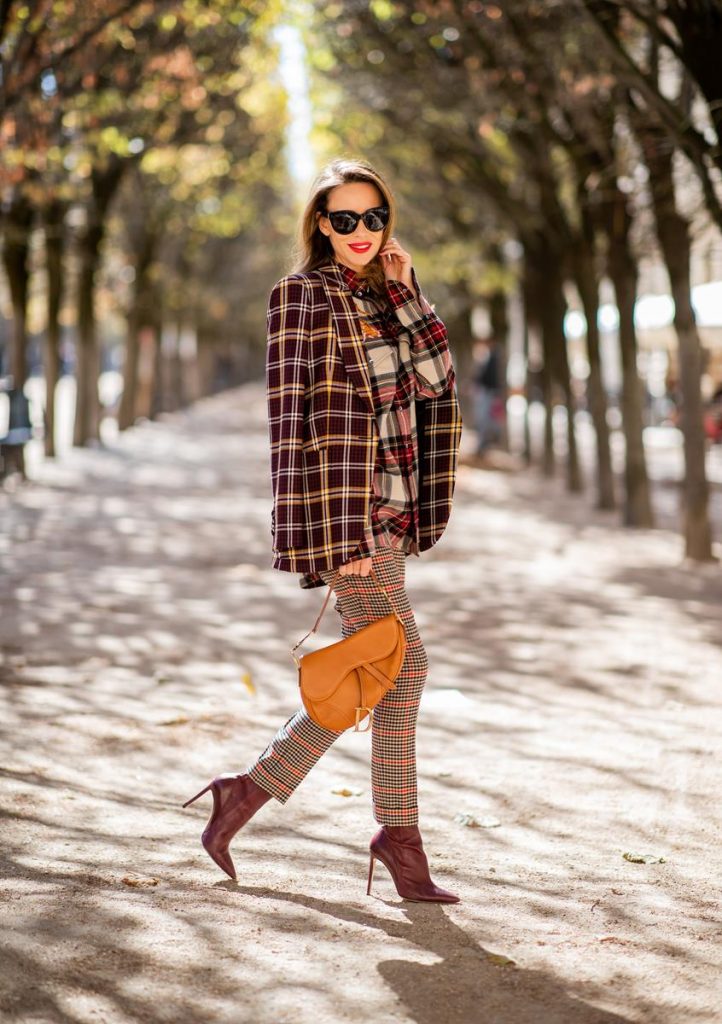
(332, 581)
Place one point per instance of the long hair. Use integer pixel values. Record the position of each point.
(313, 247)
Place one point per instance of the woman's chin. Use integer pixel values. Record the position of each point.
(361, 259)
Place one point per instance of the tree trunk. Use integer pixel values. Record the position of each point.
(147, 343)
(87, 406)
(176, 370)
(548, 460)
(157, 398)
(53, 220)
(553, 311)
(138, 318)
(537, 367)
(16, 252)
(126, 410)
(588, 285)
(458, 326)
(699, 26)
(498, 314)
(673, 235)
(165, 342)
(206, 362)
(526, 300)
(623, 273)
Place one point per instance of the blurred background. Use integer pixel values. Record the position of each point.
(559, 172)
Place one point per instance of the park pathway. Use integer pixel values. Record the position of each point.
(573, 715)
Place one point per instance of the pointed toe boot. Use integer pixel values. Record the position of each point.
(236, 798)
(401, 850)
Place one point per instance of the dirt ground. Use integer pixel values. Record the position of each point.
(573, 711)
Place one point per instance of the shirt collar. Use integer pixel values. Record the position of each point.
(350, 276)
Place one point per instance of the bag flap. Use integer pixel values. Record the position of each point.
(321, 672)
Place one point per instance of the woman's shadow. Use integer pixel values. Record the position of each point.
(465, 985)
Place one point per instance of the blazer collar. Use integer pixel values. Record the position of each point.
(347, 328)
(332, 270)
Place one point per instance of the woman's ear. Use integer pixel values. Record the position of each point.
(318, 223)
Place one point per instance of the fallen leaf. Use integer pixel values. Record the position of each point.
(644, 858)
(248, 683)
(470, 821)
(500, 960)
(347, 792)
(140, 883)
(467, 819)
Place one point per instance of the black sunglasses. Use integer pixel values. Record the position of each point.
(344, 221)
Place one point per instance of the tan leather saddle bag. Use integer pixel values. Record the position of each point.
(341, 684)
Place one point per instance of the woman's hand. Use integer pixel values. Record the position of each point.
(396, 263)
(360, 567)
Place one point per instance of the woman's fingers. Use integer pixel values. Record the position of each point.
(358, 567)
(393, 249)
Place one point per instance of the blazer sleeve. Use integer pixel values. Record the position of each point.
(430, 355)
(288, 326)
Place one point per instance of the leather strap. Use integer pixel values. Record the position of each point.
(323, 607)
(384, 680)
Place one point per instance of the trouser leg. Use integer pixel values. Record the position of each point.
(300, 742)
(393, 737)
(483, 418)
(291, 755)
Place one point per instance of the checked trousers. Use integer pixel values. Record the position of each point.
(300, 742)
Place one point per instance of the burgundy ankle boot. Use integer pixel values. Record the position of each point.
(236, 798)
(400, 848)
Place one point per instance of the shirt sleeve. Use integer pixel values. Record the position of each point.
(309, 580)
(430, 355)
(366, 546)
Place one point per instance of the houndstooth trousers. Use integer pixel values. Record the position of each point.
(300, 742)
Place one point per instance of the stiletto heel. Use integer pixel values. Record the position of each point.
(194, 798)
(236, 798)
(371, 875)
(401, 851)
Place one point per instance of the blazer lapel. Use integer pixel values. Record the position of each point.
(348, 330)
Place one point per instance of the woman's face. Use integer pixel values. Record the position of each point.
(358, 196)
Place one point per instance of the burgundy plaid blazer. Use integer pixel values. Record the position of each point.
(323, 428)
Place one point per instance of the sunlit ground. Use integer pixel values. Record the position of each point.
(572, 716)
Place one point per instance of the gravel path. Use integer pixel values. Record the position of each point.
(572, 712)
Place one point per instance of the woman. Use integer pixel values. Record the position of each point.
(364, 429)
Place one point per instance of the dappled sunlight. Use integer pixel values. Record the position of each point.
(513, 210)
(145, 648)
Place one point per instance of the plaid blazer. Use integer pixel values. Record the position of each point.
(323, 428)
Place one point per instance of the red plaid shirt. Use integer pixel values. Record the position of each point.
(408, 358)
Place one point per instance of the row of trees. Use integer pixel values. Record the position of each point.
(142, 174)
(140, 153)
(580, 130)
